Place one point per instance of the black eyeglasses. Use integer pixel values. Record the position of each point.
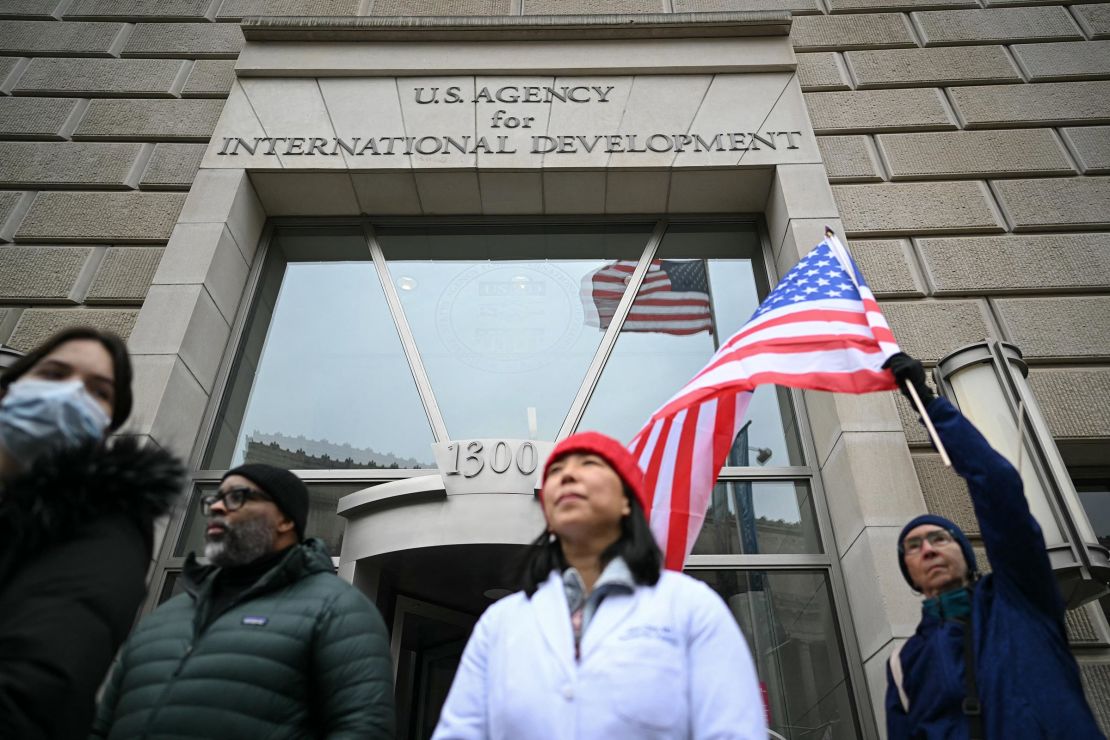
(233, 498)
(936, 538)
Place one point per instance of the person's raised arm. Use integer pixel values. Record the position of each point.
(1014, 542)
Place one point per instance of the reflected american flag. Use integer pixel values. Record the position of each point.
(673, 299)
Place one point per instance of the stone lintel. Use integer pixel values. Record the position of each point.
(520, 28)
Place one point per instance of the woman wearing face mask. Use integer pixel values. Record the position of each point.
(600, 643)
(76, 523)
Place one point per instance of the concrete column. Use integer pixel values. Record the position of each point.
(865, 466)
(182, 330)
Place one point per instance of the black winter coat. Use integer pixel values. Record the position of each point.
(75, 544)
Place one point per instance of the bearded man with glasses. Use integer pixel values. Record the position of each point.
(989, 659)
(265, 642)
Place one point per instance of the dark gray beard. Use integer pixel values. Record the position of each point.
(242, 543)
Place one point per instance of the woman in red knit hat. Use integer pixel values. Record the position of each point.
(602, 643)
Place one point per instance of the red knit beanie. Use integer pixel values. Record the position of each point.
(608, 449)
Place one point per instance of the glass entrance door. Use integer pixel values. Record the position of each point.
(428, 641)
(432, 597)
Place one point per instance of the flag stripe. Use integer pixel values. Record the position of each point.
(799, 319)
(662, 310)
(638, 444)
(798, 365)
(680, 488)
(651, 474)
(669, 300)
(702, 470)
(794, 345)
(682, 331)
(660, 526)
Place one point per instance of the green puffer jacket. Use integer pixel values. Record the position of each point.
(301, 654)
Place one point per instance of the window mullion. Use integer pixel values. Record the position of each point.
(769, 562)
(712, 312)
(752, 473)
(609, 340)
(408, 342)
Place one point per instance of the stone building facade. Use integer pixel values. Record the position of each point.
(961, 146)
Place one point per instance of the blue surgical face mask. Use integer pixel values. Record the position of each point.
(37, 416)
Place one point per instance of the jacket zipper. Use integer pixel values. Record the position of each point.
(260, 587)
(173, 679)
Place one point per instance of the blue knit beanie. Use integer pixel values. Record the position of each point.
(957, 534)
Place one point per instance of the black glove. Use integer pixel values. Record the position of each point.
(906, 368)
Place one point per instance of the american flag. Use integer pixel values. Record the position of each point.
(820, 329)
(673, 299)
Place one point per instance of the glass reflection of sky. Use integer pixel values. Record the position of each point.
(500, 338)
(332, 367)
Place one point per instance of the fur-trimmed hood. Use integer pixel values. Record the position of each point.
(60, 492)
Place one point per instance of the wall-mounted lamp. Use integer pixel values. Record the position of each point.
(739, 454)
(987, 382)
(762, 454)
(8, 356)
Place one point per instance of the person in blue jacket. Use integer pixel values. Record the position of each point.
(989, 659)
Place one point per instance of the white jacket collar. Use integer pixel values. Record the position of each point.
(549, 604)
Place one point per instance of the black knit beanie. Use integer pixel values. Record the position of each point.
(287, 490)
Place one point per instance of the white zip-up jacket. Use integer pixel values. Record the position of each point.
(664, 662)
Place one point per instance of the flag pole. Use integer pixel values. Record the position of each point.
(830, 234)
(712, 313)
(929, 425)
